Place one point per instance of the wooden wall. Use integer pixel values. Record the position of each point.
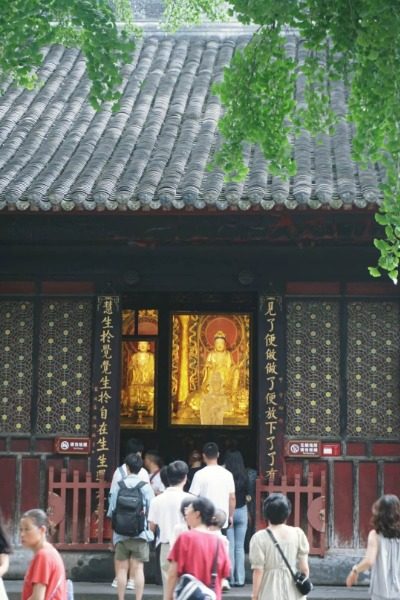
(355, 480)
(24, 464)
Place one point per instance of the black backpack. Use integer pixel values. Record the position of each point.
(128, 516)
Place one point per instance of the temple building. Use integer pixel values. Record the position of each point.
(141, 295)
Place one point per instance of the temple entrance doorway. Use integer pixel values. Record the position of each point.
(188, 365)
(172, 444)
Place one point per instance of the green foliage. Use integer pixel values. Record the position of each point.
(252, 87)
(27, 26)
(182, 12)
(357, 41)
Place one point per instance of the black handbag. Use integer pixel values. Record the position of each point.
(301, 581)
(191, 588)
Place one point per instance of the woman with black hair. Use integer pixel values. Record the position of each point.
(237, 531)
(272, 579)
(45, 577)
(193, 552)
(383, 550)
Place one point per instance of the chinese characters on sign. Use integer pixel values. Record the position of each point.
(105, 381)
(307, 448)
(72, 445)
(271, 395)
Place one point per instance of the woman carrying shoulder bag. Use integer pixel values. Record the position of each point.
(196, 551)
(272, 579)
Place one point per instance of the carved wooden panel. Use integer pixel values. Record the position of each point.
(313, 368)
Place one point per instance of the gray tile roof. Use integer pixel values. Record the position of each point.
(147, 10)
(57, 153)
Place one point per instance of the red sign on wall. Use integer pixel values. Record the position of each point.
(331, 449)
(72, 445)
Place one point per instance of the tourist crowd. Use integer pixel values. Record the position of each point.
(196, 517)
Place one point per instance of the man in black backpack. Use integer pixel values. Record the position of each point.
(133, 446)
(128, 509)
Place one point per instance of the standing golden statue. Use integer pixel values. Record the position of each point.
(141, 381)
(210, 378)
(220, 383)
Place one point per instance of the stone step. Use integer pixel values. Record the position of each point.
(84, 590)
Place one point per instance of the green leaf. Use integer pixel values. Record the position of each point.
(26, 27)
(381, 218)
(374, 272)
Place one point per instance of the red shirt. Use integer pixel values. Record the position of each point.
(47, 568)
(194, 553)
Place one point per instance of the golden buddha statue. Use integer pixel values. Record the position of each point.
(209, 378)
(218, 390)
(214, 402)
(141, 381)
(219, 360)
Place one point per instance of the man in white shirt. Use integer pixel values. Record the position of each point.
(133, 446)
(165, 511)
(153, 463)
(121, 472)
(215, 483)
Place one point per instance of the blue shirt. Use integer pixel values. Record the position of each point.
(131, 481)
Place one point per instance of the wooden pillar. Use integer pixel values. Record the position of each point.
(271, 410)
(106, 386)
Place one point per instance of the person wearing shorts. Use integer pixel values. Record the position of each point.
(132, 552)
(132, 548)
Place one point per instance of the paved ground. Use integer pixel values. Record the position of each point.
(103, 591)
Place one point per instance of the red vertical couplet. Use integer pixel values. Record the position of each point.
(106, 386)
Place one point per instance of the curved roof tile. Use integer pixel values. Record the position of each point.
(57, 153)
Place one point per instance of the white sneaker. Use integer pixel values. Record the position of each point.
(130, 585)
(114, 583)
(225, 585)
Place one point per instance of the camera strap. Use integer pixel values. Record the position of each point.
(276, 544)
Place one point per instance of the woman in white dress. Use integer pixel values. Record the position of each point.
(272, 579)
(383, 551)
